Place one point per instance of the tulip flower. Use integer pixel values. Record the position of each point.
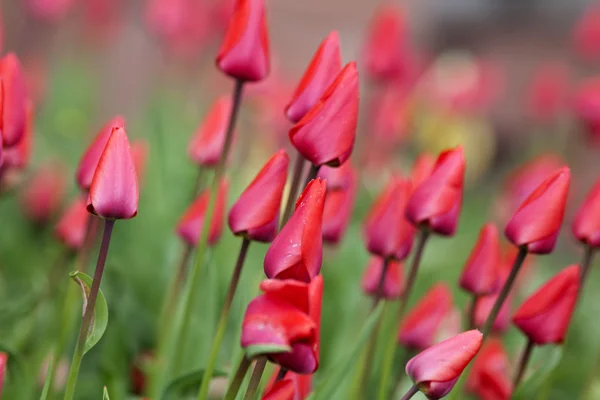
(299, 387)
(548, 92)
(3, 361)
(282, 390)
(587, 33)
(296, 252)
(338, 178)
(190, 224)
(544, 317)
(585, 106)
(18, 156)
(114, 190)
(44, 193)
(392, 283)
(89, 160)
(586, 225)
(71, 229)
(387, 232)
(421, 327)
(285, 320)
(244, 53)
(535, 225)
(325, 65)
(338, 210)
(435, 204)
(421, 169)
(14, 100)
(256, 213)
(435, 371)
(488, 378)
(206, 145)
(481, 273)
(483, 308)
(325, 135)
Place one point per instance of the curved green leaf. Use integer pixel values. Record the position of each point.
(189, 383)
(546, 358)
(48, 380)
(100, 317)
(105, 395)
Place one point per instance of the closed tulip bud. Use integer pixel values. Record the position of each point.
(44, 193)
(3, 361)
(72, 227)
(586, 226)
(337, 211)
(14, 100)
(488, 379)
(325, 135)
(114, 191)
(89, 160)
(189, 227)
(421, 169)
(18, 156)
(387, 232)
(244, 52)
(435, 204)
(421, 327)
(206, 145)
(537, 222)
(544, 317)
(436, 370)
(297, 251)
(393, 283)
(482, 270)
(256, 213)
(483, 307)
(585, 106)
(586, 35)
(139, 152)
(322, 70)
(338, 178)
(548, 92)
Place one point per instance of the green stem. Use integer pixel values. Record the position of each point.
(259, 368)
(312, 174)
(586, 262)
(388, 359)
(281, 374)
(411, 392)
(238, 378)
(198, 183)
(89, 311)
(472, 308)
(222, 325)
(294, 186)
(523, 361)
(181, 336)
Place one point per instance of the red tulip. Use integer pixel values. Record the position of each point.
(484, 306)
(300, 387)
(387, 232)
(488, 379)
(548, 92)
(338, 210)
(544, 317)
(386, 39)
(421, 327)
(14, 100)
(206, 145)
(436, 202)
(481, 273)
(191, 222)
(421, 169)
(325, 135)
(114, 190)
(18, 156)
(139, 152)
(537, 222)
(338, 178)
(71, 229)
(44, 193)
(89, 160)
(436, 370)
(325, 65)
(244, 53)
(282, 390)
(3, 361)
(296, 252)
(587, 33)
(393, 284)
(256, 213)
(283, 319)
(389, 117)
(586, 226)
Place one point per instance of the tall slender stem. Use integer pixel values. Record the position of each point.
(586, 262)
(381, 282)
(238, 378)
(312, 173)
(259, 368)
(294, 187)
(523, 361)
(193, 281)
(472, 308)
(216, 344)
(489, 322)
(388, 360)
(411, 392)
(89, 310)
(197, 183)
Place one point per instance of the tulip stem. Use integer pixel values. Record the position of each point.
(191, 293)
(411, 392)
(489, 322)
(197, 183)
(238, 378)
(586, 262)
(381, 282)
(259, 368)
(388, 359)
(281, 374)
(89, 310)
(312, 174)
(523, 361)
(294, 186)
(472, 309)
(222, 325)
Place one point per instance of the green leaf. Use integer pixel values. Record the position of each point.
(547, 358)
(105, 395)
(49, 377)
(188, 383)
(100, 316)
(330, 383)
(262, 349)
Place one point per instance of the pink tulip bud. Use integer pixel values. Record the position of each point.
(338, 177)
(18, 156)
(206, 145)
(483, 307)
(44, 193)
(3, 361)
(421, 169)
(393, 283)
(338, 210)
(72, 227)
(14, 100)
(586, 226)
(482, 270)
